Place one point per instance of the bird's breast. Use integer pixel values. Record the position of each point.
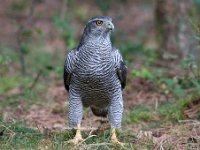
(94, 66)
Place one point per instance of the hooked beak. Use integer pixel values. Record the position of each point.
(109, 26)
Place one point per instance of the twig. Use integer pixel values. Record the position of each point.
(35, 80)
(156, 103)
(100, 144)
(95, 146)
(12, 132)
(82, 129)
(189, 121)
(83, 141)
(161, 143)
(91, 132)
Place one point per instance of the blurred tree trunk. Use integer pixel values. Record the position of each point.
(174, 28)
(198, 49)
(23, 33)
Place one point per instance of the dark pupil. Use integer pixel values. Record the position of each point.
(99, 22)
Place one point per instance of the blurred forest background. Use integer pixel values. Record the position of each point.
(160, 41)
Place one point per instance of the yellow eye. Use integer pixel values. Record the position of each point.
(99, 22)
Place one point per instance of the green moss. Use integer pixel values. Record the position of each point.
(16, 136)
(165, 112)
(142, 73)
(139, 113)
(10, 82)
(170, 111)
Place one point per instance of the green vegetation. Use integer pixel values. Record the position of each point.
(33, 105)
(164, 112)
(16, 136)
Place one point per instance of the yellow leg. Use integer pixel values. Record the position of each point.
(78, 137)
(114, 139)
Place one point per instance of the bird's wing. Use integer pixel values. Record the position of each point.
(121, 67)
(69, 66)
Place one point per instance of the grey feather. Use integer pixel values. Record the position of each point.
(67, 77)
(95, 74)
(70, 61)
(100, 112)
(122, 73)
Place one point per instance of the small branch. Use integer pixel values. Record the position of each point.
(82, 129)
(97, 145)
(100, 144)
(83, 141)
(35, 80)
(194, 122)
(8, 128)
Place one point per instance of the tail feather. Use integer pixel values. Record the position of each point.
(100, 112)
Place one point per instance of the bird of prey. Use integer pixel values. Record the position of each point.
(95, 76)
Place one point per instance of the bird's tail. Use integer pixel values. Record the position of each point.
(101, 112)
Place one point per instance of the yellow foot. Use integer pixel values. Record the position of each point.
(78, 137)
(114, 140)
(75, 140)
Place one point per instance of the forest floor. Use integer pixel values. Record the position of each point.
(150, 121)
(161, 102)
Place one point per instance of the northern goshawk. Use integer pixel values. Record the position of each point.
(94, 76)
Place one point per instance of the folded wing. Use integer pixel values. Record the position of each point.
(121, 67)
(69, 66)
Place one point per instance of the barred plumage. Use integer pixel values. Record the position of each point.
(95, 74)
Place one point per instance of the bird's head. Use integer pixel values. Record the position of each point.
(99, 27)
